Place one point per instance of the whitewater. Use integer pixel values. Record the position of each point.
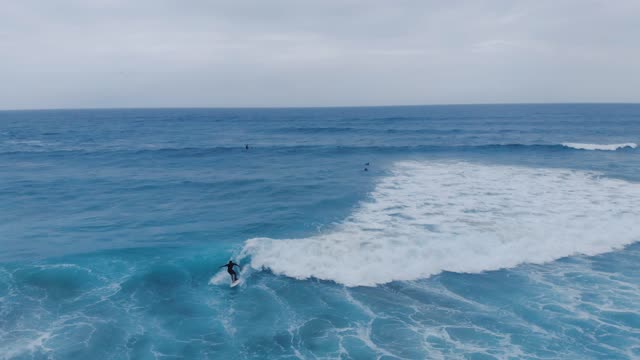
(429, 217)
(605, 147)
(475, 232)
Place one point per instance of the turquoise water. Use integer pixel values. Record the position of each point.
(477, 232)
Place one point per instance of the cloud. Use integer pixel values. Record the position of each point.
(113, 53)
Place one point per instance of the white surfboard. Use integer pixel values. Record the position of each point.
(235, 283)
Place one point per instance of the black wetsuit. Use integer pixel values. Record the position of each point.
(230, 266)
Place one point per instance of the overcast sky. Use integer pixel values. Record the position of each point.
(166, 53)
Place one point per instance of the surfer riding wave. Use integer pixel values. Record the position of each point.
(230, 265)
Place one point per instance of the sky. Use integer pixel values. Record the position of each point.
(280, 53)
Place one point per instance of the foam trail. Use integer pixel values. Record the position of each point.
(429, 217)
(607, 147)
(219, 278)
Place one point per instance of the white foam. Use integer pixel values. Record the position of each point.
(26, 345)
(220, 278)
(608, 147)
(429, 217)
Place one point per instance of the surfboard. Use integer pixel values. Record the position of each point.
(235, 283)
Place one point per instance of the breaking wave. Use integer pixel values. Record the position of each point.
(607, 147)
(429, 217)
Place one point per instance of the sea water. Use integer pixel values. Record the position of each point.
(475, 232)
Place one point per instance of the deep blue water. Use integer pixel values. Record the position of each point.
(475, 233)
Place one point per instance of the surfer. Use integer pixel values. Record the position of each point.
(230, 265)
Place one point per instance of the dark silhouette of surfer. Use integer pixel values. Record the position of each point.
(230, 265)
(246, 146)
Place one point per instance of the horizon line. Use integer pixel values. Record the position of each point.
(311, 107)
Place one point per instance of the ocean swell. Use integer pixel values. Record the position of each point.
(196, 151)
(429, 217)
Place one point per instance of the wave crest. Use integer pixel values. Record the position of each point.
(453, 216)
(606, 147)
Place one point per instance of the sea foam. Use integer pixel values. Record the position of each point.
(429, 217)
(607, 147)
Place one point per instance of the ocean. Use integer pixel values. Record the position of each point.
(475, 232)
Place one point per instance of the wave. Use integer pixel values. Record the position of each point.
(607, 147)
(377, 131)
(207, 150)
(430, 217)
(315, 130)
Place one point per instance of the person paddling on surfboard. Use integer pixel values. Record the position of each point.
(230, 265)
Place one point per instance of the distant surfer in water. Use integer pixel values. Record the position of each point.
(230, 265)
